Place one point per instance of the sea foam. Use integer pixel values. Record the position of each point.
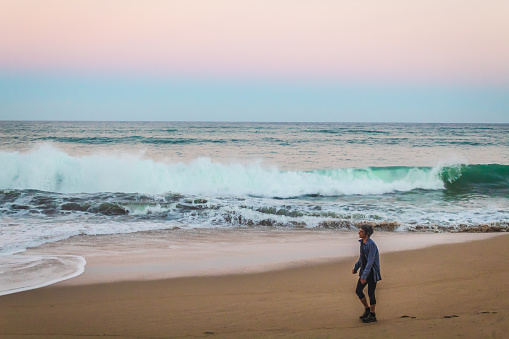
(23, 272)
(47, 168)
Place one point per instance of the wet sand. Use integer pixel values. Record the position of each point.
(442, 291)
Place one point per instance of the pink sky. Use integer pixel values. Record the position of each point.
(444, 41)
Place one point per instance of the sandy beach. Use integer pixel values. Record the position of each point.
(456, 290)
(201, 169)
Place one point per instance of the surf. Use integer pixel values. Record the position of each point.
(47, 168)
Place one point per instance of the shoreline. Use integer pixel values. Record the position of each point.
(165, 254)
(450, 289)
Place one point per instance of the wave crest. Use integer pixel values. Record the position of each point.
(49, 169)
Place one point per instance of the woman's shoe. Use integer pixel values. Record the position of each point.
(371, 318)
(365, 314)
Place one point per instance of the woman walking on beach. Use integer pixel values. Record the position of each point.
(369, 264)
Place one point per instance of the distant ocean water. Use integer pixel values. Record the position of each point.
(60, 179)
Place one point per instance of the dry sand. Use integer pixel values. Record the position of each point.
(444, 291)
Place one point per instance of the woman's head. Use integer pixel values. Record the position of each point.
(368, 229)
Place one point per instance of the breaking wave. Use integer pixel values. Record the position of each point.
(50, 169)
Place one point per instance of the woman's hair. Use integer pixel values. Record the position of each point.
(368, 229)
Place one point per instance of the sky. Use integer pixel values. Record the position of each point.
(255, 60)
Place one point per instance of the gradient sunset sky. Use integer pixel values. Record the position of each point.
(243, 60)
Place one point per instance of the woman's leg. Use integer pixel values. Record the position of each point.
(371, 292)
(362, 297)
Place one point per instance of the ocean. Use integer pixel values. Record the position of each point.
(65, 179)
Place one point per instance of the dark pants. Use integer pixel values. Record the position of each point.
(370, 281)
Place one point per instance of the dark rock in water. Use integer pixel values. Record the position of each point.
(9, 196)
(293, 213)
(189, 207)
(432, 228)
(50, 206)
(237, 219)
(20, 207)
(298, 224)
(111, 209)
(195, 201)
(335, 224)
(72, 206)
(484, 229)
(329, 215)
(43, 200)
(267, 210)
(50, 211)
(134, 197)
(287, 211)
(384, 225)
(173, 197)
(85, 206)
(266, 222)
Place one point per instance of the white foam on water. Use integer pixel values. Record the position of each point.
(47, 168)
(27, 272)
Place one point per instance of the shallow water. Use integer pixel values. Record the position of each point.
(182, 253)
(64, 179)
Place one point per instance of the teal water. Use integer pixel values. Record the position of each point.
(59, 179)
(288, 146)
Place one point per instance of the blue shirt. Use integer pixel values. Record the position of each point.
(371, 262)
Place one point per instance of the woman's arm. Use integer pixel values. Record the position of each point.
(371, 249)
(357, 266)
